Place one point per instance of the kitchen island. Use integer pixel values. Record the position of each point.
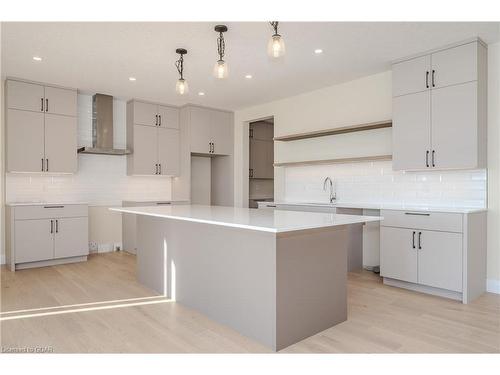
(274, 276)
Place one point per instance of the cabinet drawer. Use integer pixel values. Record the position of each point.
(440, 221)
(50, 211)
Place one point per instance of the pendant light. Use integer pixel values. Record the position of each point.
(276, 45)
(181, 87)
(220, 68)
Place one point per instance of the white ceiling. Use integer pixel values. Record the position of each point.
(100, 57)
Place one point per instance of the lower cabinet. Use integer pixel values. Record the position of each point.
(439, 253)
(46, 234)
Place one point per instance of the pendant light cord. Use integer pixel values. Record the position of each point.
(274, 25)
(221, 46)
(179, 64)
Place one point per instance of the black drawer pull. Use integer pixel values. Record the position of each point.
(417, 214)
(53, 206)
(270, 205)
(163, 203)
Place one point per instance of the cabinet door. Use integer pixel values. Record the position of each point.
(411, 131)
(71, 237)
(60, 144)
(34, 240)
(222, 132)
(169, 117)
(455, 65)
(145, 114)
(440, 260)
(145, 152)
(263, 131)
(200, 136)
(168, 151)
(411, 76)
(25, 96)
(60, 101)
(398, 258)
(261, 154)
(25, 146)
(454, 126)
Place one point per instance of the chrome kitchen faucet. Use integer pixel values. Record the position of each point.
(333, 194)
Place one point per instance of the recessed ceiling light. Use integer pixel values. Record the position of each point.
(132, 79)
(317, 51)
(248, 76)
(201, 93)
(37, 58)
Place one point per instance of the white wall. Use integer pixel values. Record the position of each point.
(367, 99)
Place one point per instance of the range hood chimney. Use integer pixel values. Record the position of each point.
(102, 127)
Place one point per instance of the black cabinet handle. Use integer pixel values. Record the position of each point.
(213, 147)
(57, 226)
(419, 240)
(251, 172)
(41, 99)
(417, 213)
(433, 153)
(43, 165)
(427, 79)
(163, 203)
(58, 206)
(46, 165)
(413, 240)
(156, 168)
(160, 168)
(46, 105)
(159, 120)
(427, 158)
(433, 74)
(52, 226)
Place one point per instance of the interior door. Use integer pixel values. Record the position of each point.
(411, 76)
(145, 113)
(168, 151)
(440, 260)
(411, 131)
(398, 258)
(454, 126)
(145, 152)
(169, 117)
(60, 101)
(34, 240)
(25, 141)
(25, 96)
(455, 65)
(60, 143)
(71, 237)
(222, 132)
(200, 136)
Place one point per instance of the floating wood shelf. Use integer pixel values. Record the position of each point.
(335, 161)
(340, 130)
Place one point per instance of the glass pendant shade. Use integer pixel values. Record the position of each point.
(276, 46)
(220, 69)
(181, 87)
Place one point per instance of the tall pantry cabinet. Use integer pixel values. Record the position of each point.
(439, 109)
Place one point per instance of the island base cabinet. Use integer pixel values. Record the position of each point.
(34, 240)
(398, 260)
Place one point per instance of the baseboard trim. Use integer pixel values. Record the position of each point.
(493, 286)
(424, 289)
(51, 262)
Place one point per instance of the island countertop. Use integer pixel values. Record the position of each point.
(274, 221)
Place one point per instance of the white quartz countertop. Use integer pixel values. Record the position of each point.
(384, 206)
(274, 221)
(13, 204)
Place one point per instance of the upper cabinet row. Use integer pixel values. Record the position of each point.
(439, 109)
(210, 131)
(41, 128)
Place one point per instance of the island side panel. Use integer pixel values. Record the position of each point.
(226, 273)
(311, 283)
(152, 253)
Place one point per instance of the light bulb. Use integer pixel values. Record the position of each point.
(220, 69)
(276, 46)
(181, 86)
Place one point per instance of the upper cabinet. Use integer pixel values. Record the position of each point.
(210, 131)
(41, 128)
(439, 109)
(153, 136)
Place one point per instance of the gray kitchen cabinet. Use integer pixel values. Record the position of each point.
(45, 234)
(34, 240)
(439, 253)
(25, 141)
(153, 136)
(210, 131)
(71, 237)
(262, 130)
(439, 109)
(261, 159)
(398, 260)
(41, 128)
(60, 144)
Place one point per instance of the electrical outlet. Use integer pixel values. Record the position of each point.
(117, 246)
(93, 246)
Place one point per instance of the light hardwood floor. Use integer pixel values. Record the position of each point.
(98, 306)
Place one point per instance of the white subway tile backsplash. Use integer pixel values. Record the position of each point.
(376, 182)
(100, 180)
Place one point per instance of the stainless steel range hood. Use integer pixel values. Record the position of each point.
(102, 128)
